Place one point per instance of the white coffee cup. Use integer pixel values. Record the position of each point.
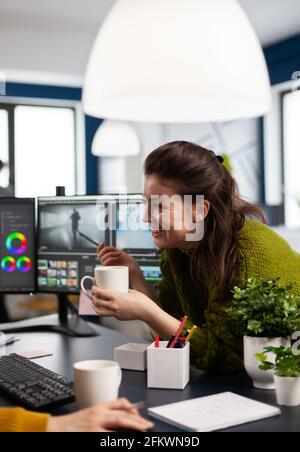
(109, 278)
(96, 382)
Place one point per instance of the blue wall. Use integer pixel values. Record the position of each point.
(64, 93)
(283, 59)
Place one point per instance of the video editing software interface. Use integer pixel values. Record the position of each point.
(17, 245)
(69, 231)
(134, 236)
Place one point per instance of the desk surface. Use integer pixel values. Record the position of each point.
(67, 350)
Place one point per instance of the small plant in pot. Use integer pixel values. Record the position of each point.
(266, 313)
(286, 370)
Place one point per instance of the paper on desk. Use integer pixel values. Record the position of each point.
(85, 305)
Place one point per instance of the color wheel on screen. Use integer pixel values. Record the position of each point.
(8, 264)
(16, 243)
(24, 264)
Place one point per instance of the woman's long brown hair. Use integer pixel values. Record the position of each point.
(197, 171)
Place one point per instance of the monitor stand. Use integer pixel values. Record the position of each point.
(68, 323)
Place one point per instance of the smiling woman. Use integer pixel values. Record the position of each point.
(198, 276)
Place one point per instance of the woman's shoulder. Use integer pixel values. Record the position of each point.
(259, 234)
(263, 252)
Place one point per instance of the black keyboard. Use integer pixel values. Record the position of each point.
(32, 386)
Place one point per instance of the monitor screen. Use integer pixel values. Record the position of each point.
(69, 230)
(133, 235)
(152, 273)
(17, 246)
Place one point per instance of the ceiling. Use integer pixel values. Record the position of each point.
(273, 20)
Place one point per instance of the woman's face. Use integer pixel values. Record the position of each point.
(172, 220)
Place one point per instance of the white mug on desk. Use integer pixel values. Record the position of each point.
(96, 382)
(109, 278)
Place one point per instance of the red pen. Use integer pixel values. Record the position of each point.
(183, 322)
(156, 342)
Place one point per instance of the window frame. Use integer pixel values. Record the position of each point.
(10, 103)
(11, 143)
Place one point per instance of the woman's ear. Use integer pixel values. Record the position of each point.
(206, 208)
(199, 216)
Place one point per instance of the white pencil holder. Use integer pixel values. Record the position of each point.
(168, 368)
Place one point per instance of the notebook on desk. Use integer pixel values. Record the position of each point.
(216, 412)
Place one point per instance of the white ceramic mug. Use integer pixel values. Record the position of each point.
(96, 382)
(109, 278)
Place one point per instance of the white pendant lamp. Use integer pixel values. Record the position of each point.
(171, 61)
(116, 139)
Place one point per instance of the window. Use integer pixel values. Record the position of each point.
(113, 175)
(44, 150)
(41, 141)
(291, 157)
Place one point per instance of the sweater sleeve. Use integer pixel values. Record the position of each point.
(214, 347)
(19, 420)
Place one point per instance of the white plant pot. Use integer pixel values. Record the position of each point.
(254, 345)
(287, 390)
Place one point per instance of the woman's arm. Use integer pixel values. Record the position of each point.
(139, 283)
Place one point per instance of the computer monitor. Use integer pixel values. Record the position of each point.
(69, 230)
(151, 270)
(17, 246)
(133, 235)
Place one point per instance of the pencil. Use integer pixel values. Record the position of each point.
(191, 333)
(179, 331)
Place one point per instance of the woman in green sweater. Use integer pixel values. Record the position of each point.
(198, 276)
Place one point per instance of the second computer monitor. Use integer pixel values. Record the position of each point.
(133, 235)
(17, 246)
(69, 231)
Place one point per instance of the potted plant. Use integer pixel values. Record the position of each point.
(287, 373)
(266, 313)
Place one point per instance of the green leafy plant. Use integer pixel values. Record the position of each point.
(265, 308)
(287, 364)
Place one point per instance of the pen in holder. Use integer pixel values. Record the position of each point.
(168, 368)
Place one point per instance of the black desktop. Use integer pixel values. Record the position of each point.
(17, 246)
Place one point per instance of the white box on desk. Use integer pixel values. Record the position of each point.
(132, 356)
(168, 368)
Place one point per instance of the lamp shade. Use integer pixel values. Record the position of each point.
(172, 61)
(116, 139)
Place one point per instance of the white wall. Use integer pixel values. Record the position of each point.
(239, 139)
(44, 50)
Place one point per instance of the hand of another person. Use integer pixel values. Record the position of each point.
(101, 418)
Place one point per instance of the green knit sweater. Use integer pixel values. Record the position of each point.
(214, 347)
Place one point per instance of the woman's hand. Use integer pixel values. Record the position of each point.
(101, 418)
(124, 306)
(109, 255)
